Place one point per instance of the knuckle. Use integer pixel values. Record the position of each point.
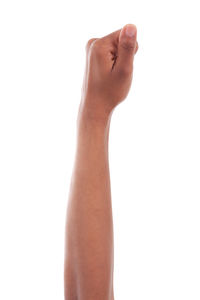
(97, 48)
(89, 43)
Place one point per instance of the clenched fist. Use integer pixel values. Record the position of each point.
(108, 72)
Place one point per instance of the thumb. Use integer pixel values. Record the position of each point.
(126, 48)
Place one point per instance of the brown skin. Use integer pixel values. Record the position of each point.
(89, 226)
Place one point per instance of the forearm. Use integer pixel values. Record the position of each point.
(89, 218)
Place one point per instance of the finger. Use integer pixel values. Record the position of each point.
(112, 37)
(127, 47)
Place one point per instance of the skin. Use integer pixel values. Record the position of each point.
(89, 227)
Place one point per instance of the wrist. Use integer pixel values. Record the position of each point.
(93, 115)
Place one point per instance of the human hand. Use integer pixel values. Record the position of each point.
(108, 72)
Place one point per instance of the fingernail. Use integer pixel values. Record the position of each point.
(130, 30)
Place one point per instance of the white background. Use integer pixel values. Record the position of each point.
(154, 145)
